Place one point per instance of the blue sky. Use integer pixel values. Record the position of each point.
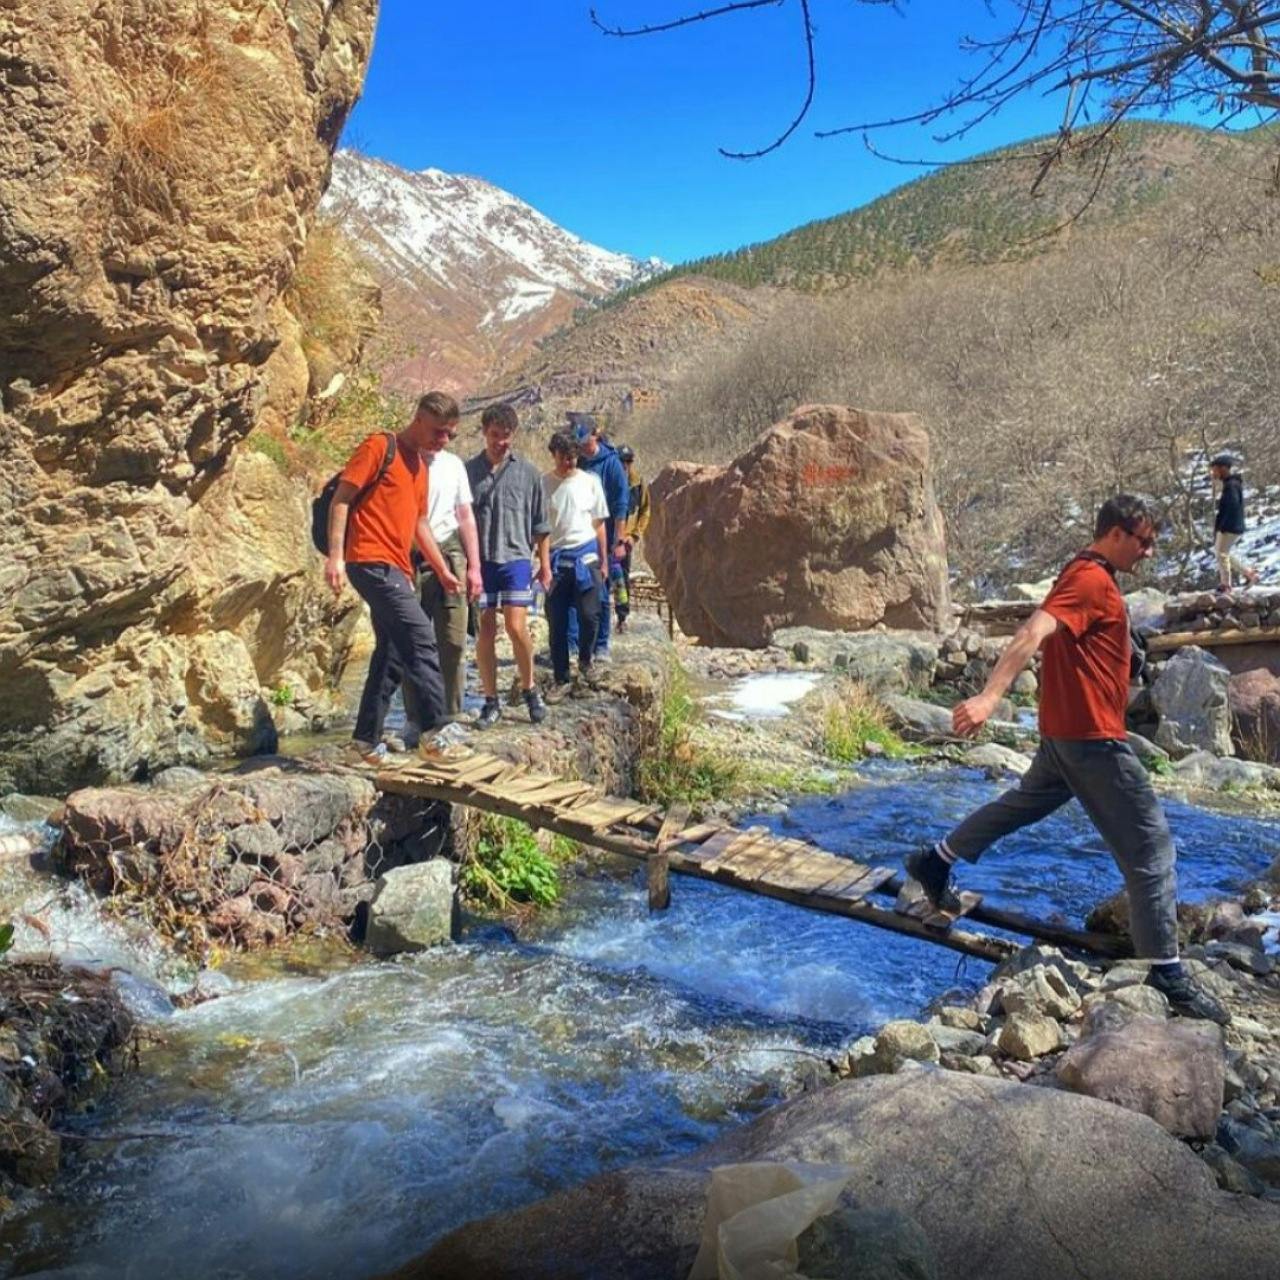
(616, 139)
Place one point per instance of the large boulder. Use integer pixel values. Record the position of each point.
(828, 521)
(884, 661)
(412, 908)
(1254, 697)
(1006, 1181)
(159, 169)
(1190, 697)
(1170, 1071)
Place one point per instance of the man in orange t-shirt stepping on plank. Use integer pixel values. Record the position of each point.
(370, 546)
(1084, 752)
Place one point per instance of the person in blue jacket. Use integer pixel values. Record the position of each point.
(600, 458)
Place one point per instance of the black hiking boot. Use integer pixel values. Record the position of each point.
(537, 708)
(933, 875)
(1185, 995)
(489, 715)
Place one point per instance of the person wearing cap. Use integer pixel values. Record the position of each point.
(599, 458)
(1228, 523)
(633, 530)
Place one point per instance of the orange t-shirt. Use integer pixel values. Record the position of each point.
(380, 529)
(1084, 671)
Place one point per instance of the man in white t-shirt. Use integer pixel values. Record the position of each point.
(454, 528)
(577, 511)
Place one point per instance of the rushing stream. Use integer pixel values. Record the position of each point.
(335, 1121)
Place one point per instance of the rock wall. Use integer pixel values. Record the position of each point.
(158, 172)
(828, 521)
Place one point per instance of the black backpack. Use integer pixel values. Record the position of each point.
(321, 503)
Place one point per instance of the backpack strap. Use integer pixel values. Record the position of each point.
(387, 459)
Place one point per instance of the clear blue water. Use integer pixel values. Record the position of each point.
(334, 1125)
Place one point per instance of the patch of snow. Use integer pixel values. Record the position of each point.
(766, 697)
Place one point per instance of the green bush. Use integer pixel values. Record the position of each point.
(677, 767)
(282, 696)
(6, 937)
(506, 865)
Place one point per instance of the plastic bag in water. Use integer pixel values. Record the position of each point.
(756, 1211)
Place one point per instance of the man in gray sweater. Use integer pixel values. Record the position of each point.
(511, 521)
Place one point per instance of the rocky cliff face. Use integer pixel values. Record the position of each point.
(158, 171)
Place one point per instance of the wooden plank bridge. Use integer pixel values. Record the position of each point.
(754, 860)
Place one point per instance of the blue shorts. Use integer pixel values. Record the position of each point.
(506, 584)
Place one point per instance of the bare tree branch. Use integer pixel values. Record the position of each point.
(688, 20)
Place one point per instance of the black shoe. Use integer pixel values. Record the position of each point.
(489, 715)
(1186, 996)
(933, 875)
(537, 708)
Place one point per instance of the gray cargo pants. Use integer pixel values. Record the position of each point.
(1114, 790)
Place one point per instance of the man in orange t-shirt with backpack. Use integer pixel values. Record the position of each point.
(376, 515)
(1083, 626)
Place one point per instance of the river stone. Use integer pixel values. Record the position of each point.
(884, 661)
(1230, 1173)
(1203, 769)
(1146, 750)
(179, 777)
(955, 1040)
(993, 1171)
(1170, 1071)
(1247, 959)
(1027, 1036)
(898, 1041)
(852, 1243)
(24, 808)
(916, 719)
(1258, 1151)
(1040, 990)
(996, 760)
(1190, 696)
(305, 807)
(957, 1015)
(412, 908)
(255, 842)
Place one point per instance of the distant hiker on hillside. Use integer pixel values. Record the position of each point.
(1084, 687)
(453, 526)
(577, 510)
(633, 529)
(512, 526)
(601, 459)
(1228, 523)
(377, 514)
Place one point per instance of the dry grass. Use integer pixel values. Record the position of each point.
(853, 719)
(327, 293)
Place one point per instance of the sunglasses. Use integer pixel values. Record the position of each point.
(1145, 541)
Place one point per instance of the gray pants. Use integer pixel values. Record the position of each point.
(1115, 791)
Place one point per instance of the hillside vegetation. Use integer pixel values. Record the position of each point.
(1112, 357)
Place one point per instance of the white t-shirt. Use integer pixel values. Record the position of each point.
(447, 489)
(573, 506)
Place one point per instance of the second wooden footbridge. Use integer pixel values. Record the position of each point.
(751, 860)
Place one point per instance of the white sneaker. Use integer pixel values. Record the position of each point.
(449, 743)
(368, 752)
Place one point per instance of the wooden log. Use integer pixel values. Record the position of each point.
(658, 865)
(1059, 935)
(1169, 640)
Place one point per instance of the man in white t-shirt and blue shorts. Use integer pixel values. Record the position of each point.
(577, 511)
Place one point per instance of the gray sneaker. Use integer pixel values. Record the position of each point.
(374, 753)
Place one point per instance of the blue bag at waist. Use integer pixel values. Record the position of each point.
(581, 558)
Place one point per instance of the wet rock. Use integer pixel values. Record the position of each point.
(1170, 1071)
(1190, 696)
(901, 1040)
(28, 1148)
(954, 1015)
(1247, 959)
(412, 908)
(1026, 1036)
(955, 1040)
(854, 1243)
